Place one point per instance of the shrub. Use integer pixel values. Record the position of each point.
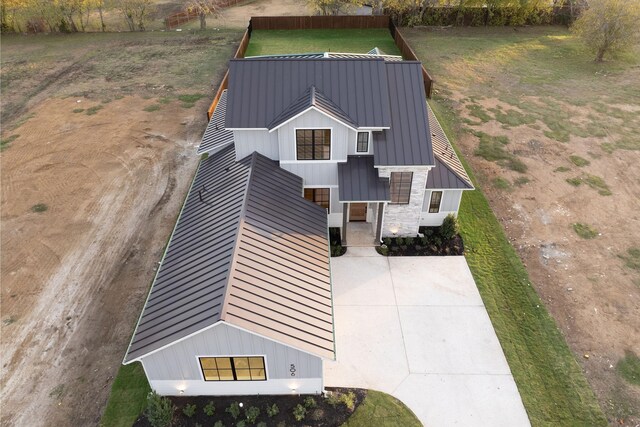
(261, 424)
(449, 227)
(574, 181)
(159, 410)
(218, 424)
(424, 240)
(399, 241)
(241, 423)
(234, 410)
(299, 412)
(189, 410)
(333, 399)
(387, 241)
(252, 414)
(408, 241)
(584, 230)
(209, 408)
(40, 207)
(272, 410)
(310, 402)
(348, 400)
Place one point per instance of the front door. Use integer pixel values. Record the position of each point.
(358, 212)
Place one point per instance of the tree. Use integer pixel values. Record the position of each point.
(609, 26)
(203, 8)
(135, 12)
(331, 7)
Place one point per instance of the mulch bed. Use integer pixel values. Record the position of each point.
(323, 415)
(454, 246)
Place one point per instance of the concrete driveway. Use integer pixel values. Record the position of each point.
(416, 328)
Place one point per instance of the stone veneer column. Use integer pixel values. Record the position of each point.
(405, 218)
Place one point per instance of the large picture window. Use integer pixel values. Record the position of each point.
(313, 144)
(233, 368)
(434, 203)
(319, 196)
(401, 187)
(363, 142)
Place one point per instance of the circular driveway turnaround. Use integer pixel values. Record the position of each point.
(416, 328)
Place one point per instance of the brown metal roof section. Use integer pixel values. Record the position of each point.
(444, 152)
(249, 250)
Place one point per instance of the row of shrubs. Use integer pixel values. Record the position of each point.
(443, 240)
(161, 411)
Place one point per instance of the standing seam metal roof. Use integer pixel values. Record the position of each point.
(359, 182)
(408, 141)
(249, 250)
(261, 89)
(216, 136)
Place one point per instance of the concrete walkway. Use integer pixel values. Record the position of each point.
(416, 328)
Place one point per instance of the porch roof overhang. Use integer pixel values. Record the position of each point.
(358, 181)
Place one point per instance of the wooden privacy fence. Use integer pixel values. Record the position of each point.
(176, 19)
(321, 22)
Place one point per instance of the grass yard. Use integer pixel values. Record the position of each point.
(551, 384)
(128, 397)
(552, 139)
(268, 42)
(381, 409)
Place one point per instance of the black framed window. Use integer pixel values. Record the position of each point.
(363, 142)
(401, 187)
(434, 203)
(319, 196)
(313, 144)
(233, 368)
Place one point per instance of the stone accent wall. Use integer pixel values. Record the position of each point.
(405, 219)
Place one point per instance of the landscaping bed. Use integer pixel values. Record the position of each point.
(287, 410)
(335, 239)
(431, 241)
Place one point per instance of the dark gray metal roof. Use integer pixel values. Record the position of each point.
(373, 53)
(312, 98)
(359, 182)
(408, 141)
(261, 89)
(248, 250)
(449, 161)
(442, 177)
(216, 136)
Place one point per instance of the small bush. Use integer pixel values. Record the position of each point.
(579, 161)
(189, 410)
(310, 402)
(400, 241)
(241, 423)
(348, 400)
(272, 410)
(218, 424)
(574, 181)
(409, 241)
(252, 414)
(584, 231)
(261, 424)
(40, 207)
(78, 110)
(449, 227)
(299, 412)
(209, 409)
(234, 410)
(333, 399)
(387, 241)
(93, 110)
(159, 410)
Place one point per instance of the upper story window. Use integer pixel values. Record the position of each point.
(363, 142)
(401, 187)
(233, 368)
(434, 203)
(313, 144)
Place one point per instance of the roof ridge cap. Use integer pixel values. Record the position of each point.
(227, 290)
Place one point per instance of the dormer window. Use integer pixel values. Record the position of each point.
(313, 144)
(363, 142)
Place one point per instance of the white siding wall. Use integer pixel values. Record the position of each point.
(248, 141)
(316, 174)
(404, 218)
(353, 144)
(340, 135)
(449, 204)
(176, 367)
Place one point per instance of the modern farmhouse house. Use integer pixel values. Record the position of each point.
(242, 302)
(355, 127)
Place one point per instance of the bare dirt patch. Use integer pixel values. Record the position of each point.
(238, 16)
(74, 276)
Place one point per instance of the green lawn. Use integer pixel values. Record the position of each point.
(382, 410)
(553, 388)
(267, 42)
(128, 397)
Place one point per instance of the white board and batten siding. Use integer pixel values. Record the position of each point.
(450, 203)
(176, 368)
(248, 141)
(341, 135)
